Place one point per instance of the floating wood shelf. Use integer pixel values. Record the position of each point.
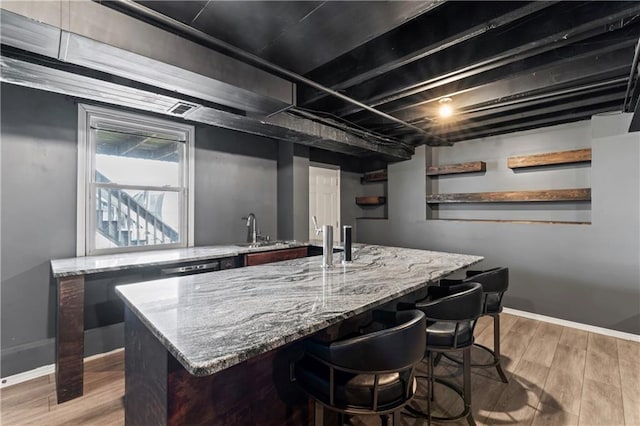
(370, 201)
(449, 169)
(377, 176)
(522, 221)
(550, 158)
(577, 194)
(446, 169)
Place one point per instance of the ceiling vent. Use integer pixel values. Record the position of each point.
(181, 108)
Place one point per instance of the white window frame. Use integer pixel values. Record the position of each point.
(86, 227)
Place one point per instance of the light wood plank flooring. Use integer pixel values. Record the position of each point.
(557, 376)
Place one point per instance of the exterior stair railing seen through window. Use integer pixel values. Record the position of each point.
(125, 221)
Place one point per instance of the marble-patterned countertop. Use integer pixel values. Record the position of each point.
(119, 262)
(213, 321)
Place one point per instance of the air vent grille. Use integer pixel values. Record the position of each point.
(181, 108)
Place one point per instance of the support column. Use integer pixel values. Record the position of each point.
(293, 191)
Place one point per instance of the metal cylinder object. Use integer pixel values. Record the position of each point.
(327, 246)
(346, 240)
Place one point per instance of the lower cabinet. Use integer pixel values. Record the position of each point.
(231, 262)
(260, 258)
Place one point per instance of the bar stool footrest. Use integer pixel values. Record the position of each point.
(415, 413)
(496, 363)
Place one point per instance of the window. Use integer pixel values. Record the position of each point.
(135, 182)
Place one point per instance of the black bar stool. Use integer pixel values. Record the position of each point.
(451, 312)
(495, 283)
(369, 374)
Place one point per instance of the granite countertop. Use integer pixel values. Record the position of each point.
(122, 261)
(213, 321)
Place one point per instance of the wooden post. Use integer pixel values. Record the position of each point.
(70, 338)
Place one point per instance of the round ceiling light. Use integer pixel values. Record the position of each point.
(446, 109)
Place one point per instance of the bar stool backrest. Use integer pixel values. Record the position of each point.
(495, 282)
(397, 348)
(463, 303)
(394, 348)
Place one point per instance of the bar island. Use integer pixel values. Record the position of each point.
(216, 347)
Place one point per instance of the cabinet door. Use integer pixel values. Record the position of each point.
(274, 256)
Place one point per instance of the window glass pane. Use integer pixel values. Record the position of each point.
(126, 218)
(134, 159)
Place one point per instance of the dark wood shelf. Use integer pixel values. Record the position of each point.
(548, 195)
(372, 218)
(449, 169)
(370, 201)
(550, 158)
(377, 176)
(446, 169)
(521, 221)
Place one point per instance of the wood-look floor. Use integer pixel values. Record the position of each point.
(557, 376)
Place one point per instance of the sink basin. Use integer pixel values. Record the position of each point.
(263, 244)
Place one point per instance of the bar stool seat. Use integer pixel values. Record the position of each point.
(349, 389)
(371, 373)
(443, 335)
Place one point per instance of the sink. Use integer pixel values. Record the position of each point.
(264, 244)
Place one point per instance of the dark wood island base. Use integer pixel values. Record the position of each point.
(160, 391)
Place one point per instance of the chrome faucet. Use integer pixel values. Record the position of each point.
(327, 242)
(252, 234)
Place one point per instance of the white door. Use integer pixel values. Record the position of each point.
(324, 200)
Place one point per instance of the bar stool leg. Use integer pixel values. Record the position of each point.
(430, 397)
(319, 414)
(466, 374)
(496, 348)
(396, 419)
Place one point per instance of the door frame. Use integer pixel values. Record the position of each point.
(337, 233)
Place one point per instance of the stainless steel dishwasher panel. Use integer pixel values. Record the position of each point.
(196, 268)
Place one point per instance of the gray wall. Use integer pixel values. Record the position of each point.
(293, 191)
(584, 273)
(235, 174)
(38, 216)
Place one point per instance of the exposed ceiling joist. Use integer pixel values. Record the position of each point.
(576, 71)
(253, 59)
(490, 58)
(529, 102)
(541, 121)
(497, 119)
(367, 61)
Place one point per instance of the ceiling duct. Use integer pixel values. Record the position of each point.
(281, 126)
(181, 108)
(142, 53)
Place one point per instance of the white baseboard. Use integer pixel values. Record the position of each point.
(43, 371)
(27, 375)
(571, 324)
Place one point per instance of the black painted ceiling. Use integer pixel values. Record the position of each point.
(506, 66)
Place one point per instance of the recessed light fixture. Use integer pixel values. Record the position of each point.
(446, 109)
